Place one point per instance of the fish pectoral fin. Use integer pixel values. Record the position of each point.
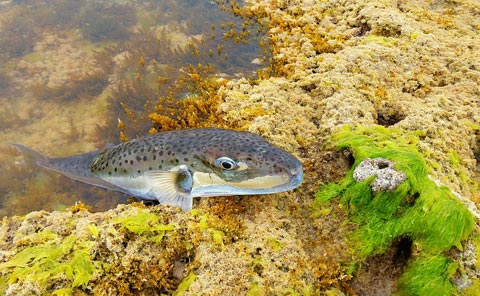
(172, 187)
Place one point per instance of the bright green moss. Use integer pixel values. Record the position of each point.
(429, 215)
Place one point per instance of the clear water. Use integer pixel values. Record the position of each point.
(65, 67)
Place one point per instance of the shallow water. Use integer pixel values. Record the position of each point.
(65, 70)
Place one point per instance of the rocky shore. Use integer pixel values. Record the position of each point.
(401, 72)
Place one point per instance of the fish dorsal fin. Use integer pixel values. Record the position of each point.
(173, 187)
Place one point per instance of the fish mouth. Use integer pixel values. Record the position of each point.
(209, 184)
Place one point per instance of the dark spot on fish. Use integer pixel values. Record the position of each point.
(176, 160)
(169, 152)
(139, 171)
(160, 167)
(185, 159)
(131, 162)
(138, 158)
(144, 158)
(150, 168)
(154, 157)
(126, 160)
(115, 169)
(125, 171)
(110, 173)
(160, 153)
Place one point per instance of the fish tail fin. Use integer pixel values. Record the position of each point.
(30, 155)
(75, 167)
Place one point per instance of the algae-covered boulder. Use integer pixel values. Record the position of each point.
(124, 251)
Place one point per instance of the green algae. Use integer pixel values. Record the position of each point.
(38, 264)
(382, 40)
(217, 236)
(90, 257)
(427, 276)
(477, 249)
(255, 290)
(145, 223)
(274, 244)
(474, 289)
(185, 284)
(418, 209)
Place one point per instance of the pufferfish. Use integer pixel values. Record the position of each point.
(174, 167)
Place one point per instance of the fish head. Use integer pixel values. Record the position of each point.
(241, 163)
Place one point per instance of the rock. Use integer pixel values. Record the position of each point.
(387, 177)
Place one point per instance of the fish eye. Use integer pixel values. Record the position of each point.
(226, 163)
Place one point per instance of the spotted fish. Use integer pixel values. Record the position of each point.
(176, 166)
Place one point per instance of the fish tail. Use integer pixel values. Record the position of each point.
(30, 155)
(74, 167)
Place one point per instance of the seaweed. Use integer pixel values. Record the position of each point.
(5, 79)
(159, 85)
(197, 109)
(18, 34)
(88, 86)
(127, 250)
(186, 282)
(38, 264)
(429, 215)
(100, 22)
(146, 224)
(428, 275)
(171, 97)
